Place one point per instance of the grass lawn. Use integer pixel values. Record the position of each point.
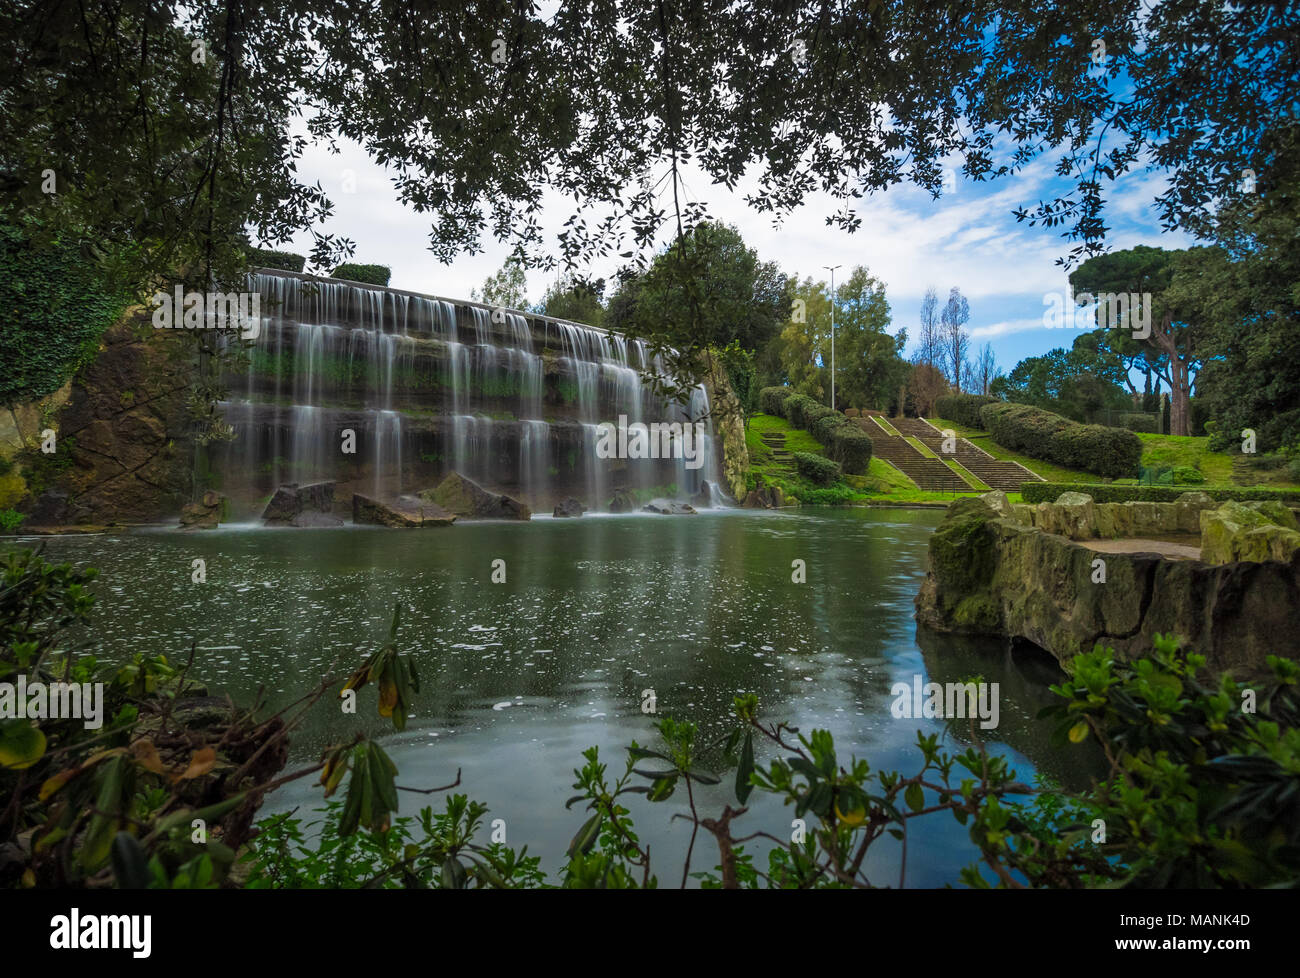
(1175, 450)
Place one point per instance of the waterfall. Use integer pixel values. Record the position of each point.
(386, 392)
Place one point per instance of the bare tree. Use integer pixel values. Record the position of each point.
(986, 368)
(926, 386)
(956, 341)
(930, 337)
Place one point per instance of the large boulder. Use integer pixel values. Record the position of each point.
(466, 498)
(295, 505)
(403, 511)
(205, 514)
(668, 507)
(1187, 510)
(568, 508)
(1237, 531)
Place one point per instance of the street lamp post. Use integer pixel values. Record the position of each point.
(832, 271)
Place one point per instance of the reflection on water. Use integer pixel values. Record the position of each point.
(519, 677)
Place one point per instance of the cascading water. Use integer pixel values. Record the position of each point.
(386, 392)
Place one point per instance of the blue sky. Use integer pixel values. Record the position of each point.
(969, 238)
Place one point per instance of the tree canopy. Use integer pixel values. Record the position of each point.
(176, 124)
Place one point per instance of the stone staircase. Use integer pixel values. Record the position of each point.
(994, 473)
(929, 474)
(775, 441)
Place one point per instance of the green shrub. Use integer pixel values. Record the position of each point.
(285, 261)
(771, 400)
(1187, 475)
(9, 520)
(1109, 452)
(1046, 492)
(851, 447)
(816, 469)
(963, 408)
(368, 274)
(824, 427)
(797, 407)
(814, 414)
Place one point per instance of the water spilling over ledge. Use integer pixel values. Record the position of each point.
(429, 386)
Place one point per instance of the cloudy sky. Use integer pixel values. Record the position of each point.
(969, 239)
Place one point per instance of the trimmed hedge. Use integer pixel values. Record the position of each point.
(369, 274)
(1047, 492)
(851, 447)
(285, 261)
(797, 407)
(816, 469)
(963, 408)
(847, 445)
(823, 428)
(814, 414)
(771, 400)
(1109, 452)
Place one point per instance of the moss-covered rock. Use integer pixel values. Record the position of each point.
(992, 574)
(1244, 531)
(466, 498)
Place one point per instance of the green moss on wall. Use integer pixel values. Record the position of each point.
(53, 309)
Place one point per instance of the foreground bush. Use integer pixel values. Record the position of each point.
(1109, 452)
(816, 469)
(963, 408)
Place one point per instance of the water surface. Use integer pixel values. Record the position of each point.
(519, 677)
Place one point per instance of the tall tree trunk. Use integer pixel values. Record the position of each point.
(1180, 383)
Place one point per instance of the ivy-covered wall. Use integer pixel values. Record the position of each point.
(53, 310)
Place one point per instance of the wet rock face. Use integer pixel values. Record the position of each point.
(765, 497)
(123, 430)
(704, 498)
(466, 498)
(295, 505)
(990, 574)
(568, 508)
(668, 507)
(404, 511)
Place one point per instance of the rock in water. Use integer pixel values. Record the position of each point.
(569, 507)
(404, 511)
(464, 497)
(623, 502)
(205, 514)
(295, 505)
(668, 507)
